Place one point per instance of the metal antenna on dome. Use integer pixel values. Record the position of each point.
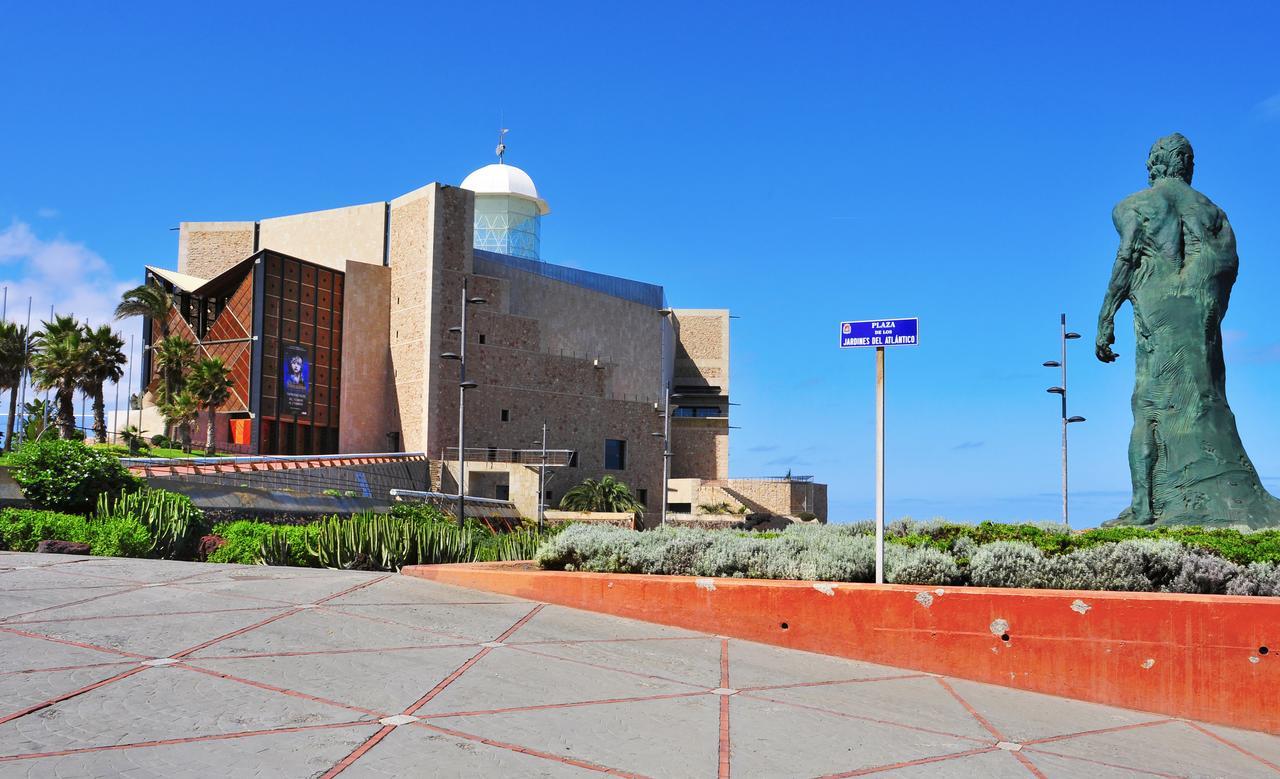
(502, 147)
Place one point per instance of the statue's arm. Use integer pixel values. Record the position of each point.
(1127, 223)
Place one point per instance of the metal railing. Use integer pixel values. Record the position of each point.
(345, 475)
(480, 508)
(480, 454)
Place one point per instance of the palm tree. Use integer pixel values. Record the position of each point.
(36, 417)
(608, 494)
(180, 411)
(59, 365)
(151, 300)
(15, 364)
(104, 361)
(210, 383)
(173, 358)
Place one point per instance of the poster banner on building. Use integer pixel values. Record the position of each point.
(297, 380)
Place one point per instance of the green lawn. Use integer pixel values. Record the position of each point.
(123, 451)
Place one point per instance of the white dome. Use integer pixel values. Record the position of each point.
(503, 179)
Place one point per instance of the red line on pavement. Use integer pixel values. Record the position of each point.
(910, 763)
(384, 621)
(574, 705)
(509, 632)
(306, 653)
(589, 664)
(576, 762)
(992, 729)
(768, 687)
(1099, 731)
(358, 752)
(281, 690)
(354, 588)
(846, 715)
(142, 616)
(64, 668)
(572, 642)
(1148, 771)
(121, 591)
(185, 740)
(1236, 747)
(725, 748)
(1030, 766)
(234, 633)
(68, 695)
(79, 644)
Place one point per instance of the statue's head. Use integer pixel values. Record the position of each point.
(1171, 157)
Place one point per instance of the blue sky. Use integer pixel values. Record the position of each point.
(798, 163)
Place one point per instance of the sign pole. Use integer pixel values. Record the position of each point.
(879, 465)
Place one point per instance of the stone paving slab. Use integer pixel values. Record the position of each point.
(156, 668)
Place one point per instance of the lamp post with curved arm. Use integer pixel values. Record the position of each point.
(1061, 391)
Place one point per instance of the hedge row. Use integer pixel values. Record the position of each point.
(847, 554)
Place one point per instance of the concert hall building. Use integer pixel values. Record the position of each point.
(335, 323)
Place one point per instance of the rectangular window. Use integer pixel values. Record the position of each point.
(482, 338)
(642, 495)
(506, 415)
(573, 459)
(615, 454)
(502, 492)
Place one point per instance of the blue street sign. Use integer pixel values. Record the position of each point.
(880, 332)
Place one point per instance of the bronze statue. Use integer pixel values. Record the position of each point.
(1176, 265)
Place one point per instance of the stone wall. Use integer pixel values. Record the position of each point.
(331, 238)
(368, 412)
(702, 347)
(206, 249)
(699, 448)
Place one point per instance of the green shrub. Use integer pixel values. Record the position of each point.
(245, 539)
(68, 475)
(21, 530)
(173, 520)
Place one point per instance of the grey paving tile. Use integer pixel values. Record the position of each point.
(20, 653)
(407, 589)
(320, 629)
(415, 751)
(1056, 767)
(160, 703)
(1264, 745)
(667, 738)
(920, 702)
(1173, 748)
(696, 661)
(1023, 716)
(754, 665)
(997, 764)
(132, 601)
(301, 754)
(773, 740)
(18, 691)
(505, 678)
(557, 623)
(16, 605)
(157, 636)
(462, 622)
(382, 681)
(250, 583)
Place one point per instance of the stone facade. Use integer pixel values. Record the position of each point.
(206, 249)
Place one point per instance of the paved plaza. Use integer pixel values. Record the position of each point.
(138, 668)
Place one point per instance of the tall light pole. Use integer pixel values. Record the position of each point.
(665, 435)
(1066, 420)
(463, 386)
(542, 480)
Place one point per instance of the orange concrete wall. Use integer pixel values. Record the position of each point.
(1194, 656)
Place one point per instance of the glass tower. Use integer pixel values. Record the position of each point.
(507, 224)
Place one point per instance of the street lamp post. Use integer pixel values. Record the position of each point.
(1066, 420)
(463, 386)
(665, 435)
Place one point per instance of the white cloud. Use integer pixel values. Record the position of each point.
(1270, 108)
(70, 276)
